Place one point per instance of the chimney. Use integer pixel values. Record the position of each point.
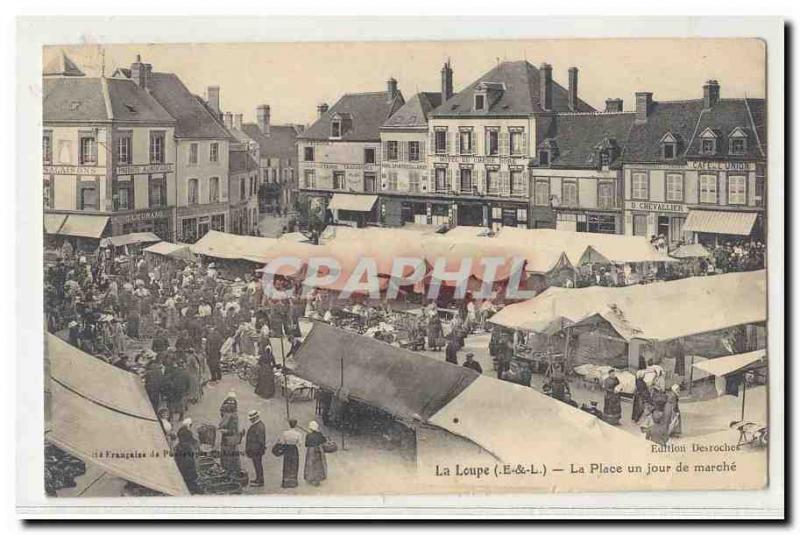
(573, 88)
(322, 109)
(262, 117)
(213, 98)
(613, 105)
(237, 121)
(546, 86)
(140, 72)
(447, 81)
(228, 120)
(391, 88)
(644, 101)
(710, 94)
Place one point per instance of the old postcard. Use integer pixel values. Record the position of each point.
(530, 267)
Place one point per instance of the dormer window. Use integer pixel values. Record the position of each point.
(480, 102)
(737, 142)
(605, 152)
(544, 157)
(669, 146)
(708, 142)
(336, 129)
(605, 158)
(547, 152)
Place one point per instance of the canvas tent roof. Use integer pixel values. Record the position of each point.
(96, 407)
(84, 226)
(233, 246)
(131, 239)
(658, 311)
(398, 381)
(615, 251)
(512, 421)
(180, 251)
(690, 250)
(721, 366)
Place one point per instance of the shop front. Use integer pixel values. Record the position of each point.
(645, 218)
(508, 215)
(714, 227)
(355, 210)
(155, 220)
(195, 221)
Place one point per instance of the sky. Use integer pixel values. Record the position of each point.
(292, 78)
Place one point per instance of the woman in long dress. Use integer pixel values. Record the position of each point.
(612, 407)
(290, 439)
(641, 397)
(230, 435)
(194, 369)
(672, 412)
(266, 371)
(316, 467)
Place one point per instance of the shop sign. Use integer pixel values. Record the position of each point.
(647, 206)
(717, 165)
(73, 170)
(144, 169)
(141, 215)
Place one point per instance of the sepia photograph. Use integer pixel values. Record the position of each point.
(533, 266)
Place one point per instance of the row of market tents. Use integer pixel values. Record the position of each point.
(544, 251)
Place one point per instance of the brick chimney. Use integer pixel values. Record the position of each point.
(322, 109)
(573, 88)
(262, 116)
(447, 81)
(237, 121)
(710, 94)
(227, 120)
(644, 101)
(140, 72)
(546, 86)
(213, 98)
(613, 105)
(391, 88)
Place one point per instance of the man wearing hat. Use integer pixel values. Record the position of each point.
(472, 363)
(255, 445)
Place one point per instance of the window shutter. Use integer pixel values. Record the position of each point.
(432, 142)
(504, 143)
(421, 151)
(386, 149)
(524, 143)
(403, 149)
(486, 143)
(481, 180)
(505, 186)
(449, 136)
(449, 179)
(94, 152)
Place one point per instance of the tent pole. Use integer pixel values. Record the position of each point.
(744, 393)
(285, 384)
(341, 387)
(691, 369)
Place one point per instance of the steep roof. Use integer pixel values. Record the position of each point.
(83, 99)
(726, 116)
(367, 112)
(686, 120)
(415, 112)
(521, 95)
(677, 117)
(240, 161)
(279, 143)
(61, 65)
(577, 137)
(193, 119)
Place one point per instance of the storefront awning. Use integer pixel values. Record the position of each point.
(84, 226)
(732, 363)
(53, 222)
(132, 239)
(713, 222)
(354, 203)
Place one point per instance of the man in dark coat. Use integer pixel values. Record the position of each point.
(185, 457)
(255, 445)
(213, 347)
(472, 364)
(160, 342)
(154, 382)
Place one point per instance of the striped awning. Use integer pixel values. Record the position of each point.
(354, 203)
(713, 222)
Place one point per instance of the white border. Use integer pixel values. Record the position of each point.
(33, 33)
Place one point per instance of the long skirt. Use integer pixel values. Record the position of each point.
(291, 463)
(229, 458)
(316, 467)
(195, 393)
(638, 408)
(612, 408)
(266, 381)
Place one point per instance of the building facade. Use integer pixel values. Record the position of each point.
(108, 156)
(339, 155)
(695, 170)
(576, 175)
(482, 139)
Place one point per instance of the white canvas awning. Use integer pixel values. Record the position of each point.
(53, 222)
(728, 364)
(715, 222)
(102, 415)
(131, 239)
(234, 247)
(179, 251)
(690, 250)
(84, 226)
(354, 203)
